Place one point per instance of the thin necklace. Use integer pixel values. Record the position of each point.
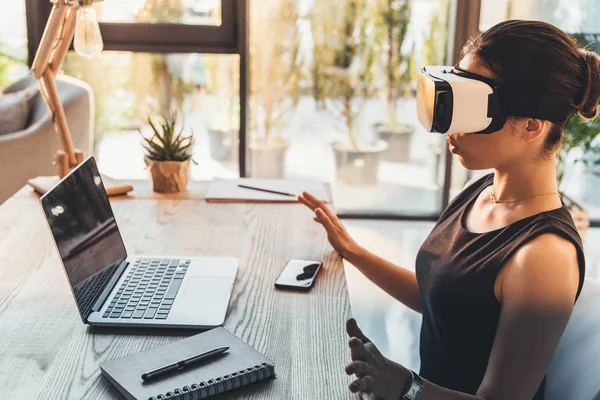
(494, 200)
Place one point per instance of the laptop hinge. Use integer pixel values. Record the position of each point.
(109, 286)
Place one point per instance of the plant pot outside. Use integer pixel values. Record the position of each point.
(399, 139)
(358, 167)
(267, 158)
(582, 221)
(169, 176)
(223, 145)
(580, 216)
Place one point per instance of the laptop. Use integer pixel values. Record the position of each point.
(112, 288)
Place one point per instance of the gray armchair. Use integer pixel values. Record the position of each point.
(574, 373)
(30, 152)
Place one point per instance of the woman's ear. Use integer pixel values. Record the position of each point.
(533, 129)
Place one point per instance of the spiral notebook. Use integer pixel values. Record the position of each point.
(240, 366)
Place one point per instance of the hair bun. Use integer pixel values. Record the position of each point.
(588, 107)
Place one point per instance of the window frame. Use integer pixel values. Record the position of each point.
(174, 38)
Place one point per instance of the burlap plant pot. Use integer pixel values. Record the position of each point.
(169, 176)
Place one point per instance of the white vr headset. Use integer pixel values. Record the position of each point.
(452, 100)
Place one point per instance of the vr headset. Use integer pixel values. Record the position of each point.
(452, 100)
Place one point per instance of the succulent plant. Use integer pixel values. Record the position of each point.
(165, 144)
(582, 135)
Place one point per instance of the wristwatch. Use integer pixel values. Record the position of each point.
(413, 388)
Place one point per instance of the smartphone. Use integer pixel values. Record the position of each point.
(298, 275)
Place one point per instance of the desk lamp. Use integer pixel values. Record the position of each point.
(68, 19)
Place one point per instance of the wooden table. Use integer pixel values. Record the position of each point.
(46, 352)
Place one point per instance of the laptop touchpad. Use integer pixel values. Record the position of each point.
(207, 289)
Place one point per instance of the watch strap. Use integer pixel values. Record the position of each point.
(413, 391)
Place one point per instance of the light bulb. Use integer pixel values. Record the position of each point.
(88, 40)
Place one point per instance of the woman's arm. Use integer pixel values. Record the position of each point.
(400, 283)
(538, 290)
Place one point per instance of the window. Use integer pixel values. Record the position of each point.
(129, 87)
(188, 12)
(573, 16)
(13, 41)
(321, 104)
(169, 25)
(160, 56)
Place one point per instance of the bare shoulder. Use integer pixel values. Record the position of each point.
(545, 267)
(547, 247)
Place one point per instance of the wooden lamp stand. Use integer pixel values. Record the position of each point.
(50, 55)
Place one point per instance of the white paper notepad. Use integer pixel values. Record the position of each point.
(228, 191)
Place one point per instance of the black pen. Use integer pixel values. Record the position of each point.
(268, 191)
(183, 363)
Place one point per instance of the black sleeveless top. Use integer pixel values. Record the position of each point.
(456, 270)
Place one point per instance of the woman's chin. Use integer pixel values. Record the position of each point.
(470, 164)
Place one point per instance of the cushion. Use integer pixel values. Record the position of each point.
(574, 371)
(14, 109)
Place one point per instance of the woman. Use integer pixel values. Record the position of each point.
(497, 278)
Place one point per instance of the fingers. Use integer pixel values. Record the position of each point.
(358, 368)
(312, 199)
(363, 384)
(316, 203)
(367, 396)
(324, 219)
(370, 346)
(306, 202)
(357, 349)
(354, 331)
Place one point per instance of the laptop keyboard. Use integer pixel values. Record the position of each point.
(148, 290)
(88, 291)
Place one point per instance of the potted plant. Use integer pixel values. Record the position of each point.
(580, 145)
(276, 66)
(223, 107)
(349, 82)
(168, 155)
(393, 19)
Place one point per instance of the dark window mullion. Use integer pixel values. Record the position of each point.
(180, 36)
(37, 13)
(241, 30)
(173, 35)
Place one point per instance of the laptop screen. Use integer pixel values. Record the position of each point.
(85, 232)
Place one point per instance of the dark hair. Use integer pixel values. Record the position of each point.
(540, 58)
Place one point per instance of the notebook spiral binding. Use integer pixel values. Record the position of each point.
(222, 384)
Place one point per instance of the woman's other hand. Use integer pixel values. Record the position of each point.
(377, 376)
(336, 233)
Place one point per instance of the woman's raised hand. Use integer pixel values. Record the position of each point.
(336, 233)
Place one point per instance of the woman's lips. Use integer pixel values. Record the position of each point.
(451, 140)
(455, 138)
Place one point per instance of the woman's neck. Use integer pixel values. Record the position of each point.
(519, 181)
